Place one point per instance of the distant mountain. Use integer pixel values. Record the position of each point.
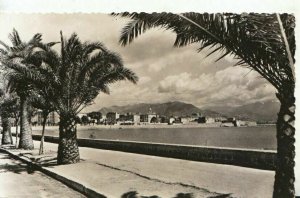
(259, 111)
(169, 108)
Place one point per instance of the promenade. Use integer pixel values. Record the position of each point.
(118, 174)
(20, 180)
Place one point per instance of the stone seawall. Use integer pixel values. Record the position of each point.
(259, 159)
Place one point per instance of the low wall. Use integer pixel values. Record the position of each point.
(259, 159)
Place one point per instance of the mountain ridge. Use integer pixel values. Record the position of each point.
(172, 108)
(258, 111)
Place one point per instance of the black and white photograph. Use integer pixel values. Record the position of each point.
(130, 103)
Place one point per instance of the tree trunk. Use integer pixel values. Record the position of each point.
(17, 133)
(26, 141)
(6, 130)
(10, 136)
(45, 115)
(68, 152)
(284, 177)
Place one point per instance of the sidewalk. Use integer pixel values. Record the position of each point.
(113, 174)
(17, 179)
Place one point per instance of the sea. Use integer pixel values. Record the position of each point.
(257, 137)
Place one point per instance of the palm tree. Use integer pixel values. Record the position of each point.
(5, 117)
(264, 43)
(73, 79)
(9, 107)
(17, 83)
(42, 103)
(14, 108)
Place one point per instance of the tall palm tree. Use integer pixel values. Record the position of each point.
(73, 79)
(264, 43)
(9, 108)
(18, 84)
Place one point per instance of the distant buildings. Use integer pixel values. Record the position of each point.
(230, 122)
(186, 120)
(134, 119)
(150, 117)
(171, 120)
(129, 119)
(237, 123)
(112, 118)
(53, 118)
(248, 123)
(205, 119)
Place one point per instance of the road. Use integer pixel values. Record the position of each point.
(19, 180)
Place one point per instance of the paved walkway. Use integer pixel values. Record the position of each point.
(18, 180)
(117, 174)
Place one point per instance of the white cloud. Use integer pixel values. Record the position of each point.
(184, 82)
(166, 73)
(144, 80)
(233, 85)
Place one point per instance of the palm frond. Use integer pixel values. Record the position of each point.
(4, 45)
(255, 39)
(15, 38)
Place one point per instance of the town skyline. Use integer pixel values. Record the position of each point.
(165, 73)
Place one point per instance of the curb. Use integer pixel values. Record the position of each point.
(250, 158)
(68, 182)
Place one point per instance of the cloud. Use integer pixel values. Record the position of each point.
(184, 82)
(166, 72)
(232, 86)
(144, 80)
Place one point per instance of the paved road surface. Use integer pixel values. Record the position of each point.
(18, 180)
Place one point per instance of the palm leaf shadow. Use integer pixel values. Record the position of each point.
(134, 194)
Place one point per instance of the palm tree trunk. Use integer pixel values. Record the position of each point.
(45, 115)
(17, 132)
(26, 141)
(6, 130)
(68, 152)
(284, 177)
(10, 136)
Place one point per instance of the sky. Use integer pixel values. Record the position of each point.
(166, 73)
(152, 43)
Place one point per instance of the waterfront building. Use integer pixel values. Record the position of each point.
(53, 118)
(163, 119)
(234, 122)
(112, 118)
(220, 119)
(195, 116)
(129, 119)
(171, 120)
(206, 119)
(247, 123)
(150, 117)
(231, 119)
(102, 120)
(185, 120)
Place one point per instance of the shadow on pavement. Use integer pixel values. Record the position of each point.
(222, 196)
(134, 194)
(14, 166)
(45, 161)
